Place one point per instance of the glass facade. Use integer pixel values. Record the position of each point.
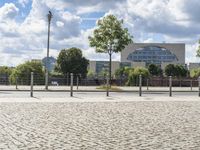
(152, 55)
(102, 66)
(125, 64)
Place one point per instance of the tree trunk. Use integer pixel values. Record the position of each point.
(110, 67)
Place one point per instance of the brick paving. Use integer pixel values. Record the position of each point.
(100, 125)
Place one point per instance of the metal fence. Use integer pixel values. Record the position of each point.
(99, 84)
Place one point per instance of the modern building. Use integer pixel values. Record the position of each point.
(99, 67)
(143, 54)
(154, 53)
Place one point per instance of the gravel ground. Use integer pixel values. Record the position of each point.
(100, 125)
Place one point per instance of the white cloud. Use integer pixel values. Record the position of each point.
(8, 11)
(147, 20)
(23, 2)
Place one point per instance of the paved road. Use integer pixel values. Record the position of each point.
(102, 126)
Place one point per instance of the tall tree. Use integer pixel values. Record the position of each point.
(198, 50)
(110, 37)
(72, 61)
(154, 70)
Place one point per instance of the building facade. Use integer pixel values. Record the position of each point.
(143, 54)
(160, 54)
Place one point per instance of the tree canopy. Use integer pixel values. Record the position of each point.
(23, 73)
(175, 70)
(134, 74)
(72, 61)
(195, 73)
(154, 70)
(110, 37)
(5, 70)
(198, 50)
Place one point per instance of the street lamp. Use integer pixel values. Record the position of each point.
(49, 17)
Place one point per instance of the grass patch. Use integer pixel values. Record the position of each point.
(112, 88)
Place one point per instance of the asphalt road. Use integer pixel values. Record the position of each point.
(22, 94)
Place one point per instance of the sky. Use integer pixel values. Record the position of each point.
(23, 25)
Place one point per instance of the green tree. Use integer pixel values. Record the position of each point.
(198, 50)
(72, 61)
(176, 70)
(181, 71)
(119, 72)
(23, 73)
(170, 70)
(5, 70)
(90, 74)
(195, 73)
(154, 70)
(110, 37)
(134, 74)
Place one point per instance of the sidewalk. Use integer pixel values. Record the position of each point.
(94, 88)
(114, 99)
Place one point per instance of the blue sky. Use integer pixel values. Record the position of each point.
(23, 25)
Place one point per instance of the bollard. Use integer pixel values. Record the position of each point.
(107, 86)
(140, 85)
(67, 79)
(199, 84)
(16, 82)
(31, 84)
(46, 80)
(191, 85)
(170, 86)
(77, 82)
(147, 84)
(71, 90)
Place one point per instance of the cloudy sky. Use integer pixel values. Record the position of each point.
(23, 25)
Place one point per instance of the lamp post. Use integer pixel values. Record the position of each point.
(49, 17)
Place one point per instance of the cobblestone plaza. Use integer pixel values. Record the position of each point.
(100, 125)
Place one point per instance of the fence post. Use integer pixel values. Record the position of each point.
(107, 86)
(16, 82)
(147, 84)
(170, 86)
(199, 84)
(140, 85)
(77, 82)
(191, 85)
(72, 80)
(31, 84)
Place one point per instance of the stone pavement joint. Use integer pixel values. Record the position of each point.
(114, 125)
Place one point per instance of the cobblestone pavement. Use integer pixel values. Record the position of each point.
(100, 125)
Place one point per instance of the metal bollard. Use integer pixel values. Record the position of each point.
(71, 89)
(31, 84)
(199, 85)
(191, 85)
(46, 80)
(16, 83)
(140, 85)
(107, 86)
(77, 82)
(67, 79)
(147, 84)
(170, 86)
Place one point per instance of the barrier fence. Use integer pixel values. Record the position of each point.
(36, 81)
